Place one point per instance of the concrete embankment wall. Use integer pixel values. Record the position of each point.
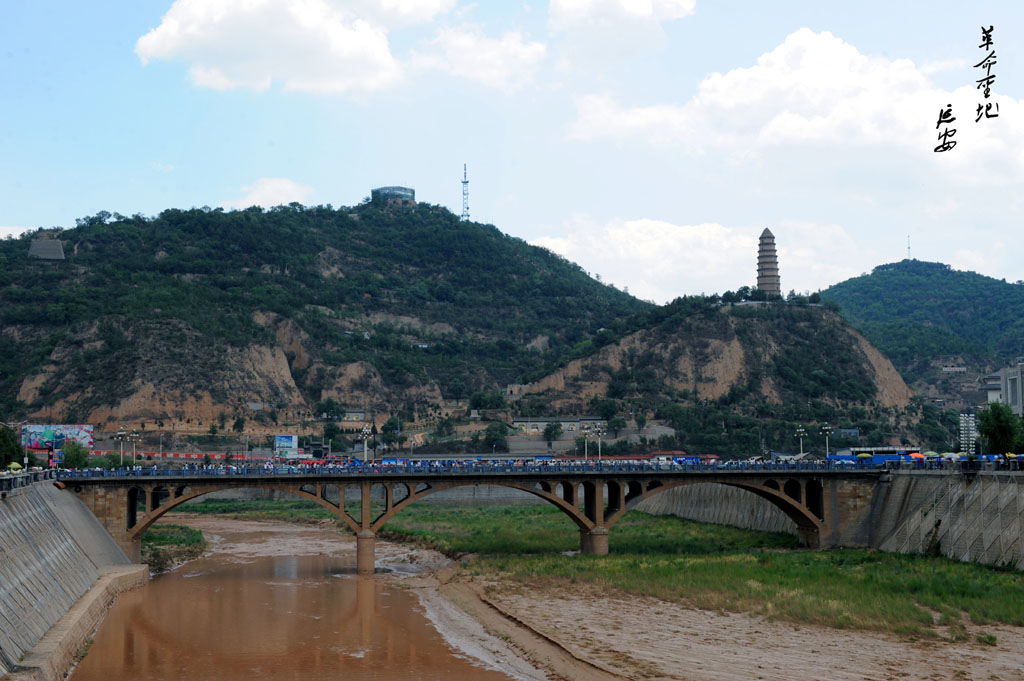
(975, 518)
(720, 504)
(52, 551)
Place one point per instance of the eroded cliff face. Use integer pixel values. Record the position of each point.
(710, 356)
(121, 371)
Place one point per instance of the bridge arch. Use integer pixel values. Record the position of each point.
(137, 526)
(563, 495)
(801, 503)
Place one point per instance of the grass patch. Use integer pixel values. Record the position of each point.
(171, 535)
(166, 545)
(83, 651)
(515, 530)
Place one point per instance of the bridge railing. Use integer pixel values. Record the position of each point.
(12, 481)
(447, 468)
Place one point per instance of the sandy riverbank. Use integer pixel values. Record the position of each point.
(589, 635)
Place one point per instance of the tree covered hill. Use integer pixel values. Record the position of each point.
(919, 313)
(732, 379)
(195, 312)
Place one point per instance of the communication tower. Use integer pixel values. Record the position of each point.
(465, 194)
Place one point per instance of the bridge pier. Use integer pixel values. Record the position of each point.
(131, 547)
(809, 537)
(594, 541)
(366, 542)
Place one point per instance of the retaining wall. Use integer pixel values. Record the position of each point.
(52, 551)
(976, 518)
(720, 504)
(970, 517)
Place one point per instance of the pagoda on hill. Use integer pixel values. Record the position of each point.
(768, 265)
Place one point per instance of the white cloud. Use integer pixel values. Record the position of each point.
(14, 231)
(416, 10)
(815, 88)
(310, 46)
(271, 191)
(944, 65)
(505, 63)
(597, 35)
(565, 14)
(658, 260)
(814, 255)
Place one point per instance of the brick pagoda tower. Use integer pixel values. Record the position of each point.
(768, 265)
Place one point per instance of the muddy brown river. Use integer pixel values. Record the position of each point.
(274, 602)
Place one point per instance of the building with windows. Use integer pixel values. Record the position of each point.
(570, 424)
(968, 433)
(1011, 387)
(403, 196)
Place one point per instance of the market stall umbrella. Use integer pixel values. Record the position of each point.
(14, 464)
(916, 455)
(931, 455)
(863, 455)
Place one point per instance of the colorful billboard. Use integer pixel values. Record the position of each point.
(286, 442)
(42, 437)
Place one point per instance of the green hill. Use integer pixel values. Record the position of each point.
(731, 379)
(196, 311)
(918, 313)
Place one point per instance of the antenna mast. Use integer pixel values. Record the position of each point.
(908, 247)
(465, 194)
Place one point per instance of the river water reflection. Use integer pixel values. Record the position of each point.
(243, 614)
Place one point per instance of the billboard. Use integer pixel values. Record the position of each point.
(286, 442)
(44, 436)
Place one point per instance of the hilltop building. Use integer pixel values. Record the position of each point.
(403, 196)
(768, 265)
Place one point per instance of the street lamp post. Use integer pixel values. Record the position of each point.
(801, 434)
(135, 438)
(599, 434)
(366, 436)
(24, 450)
(120, 436)
(826, 430)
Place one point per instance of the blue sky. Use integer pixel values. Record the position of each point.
(648, 140)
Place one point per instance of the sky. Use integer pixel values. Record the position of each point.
(649, 141)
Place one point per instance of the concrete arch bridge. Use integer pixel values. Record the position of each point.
(829, 507)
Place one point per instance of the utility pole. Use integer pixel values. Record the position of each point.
(120, 436)
(15, 426)
(465, 194)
